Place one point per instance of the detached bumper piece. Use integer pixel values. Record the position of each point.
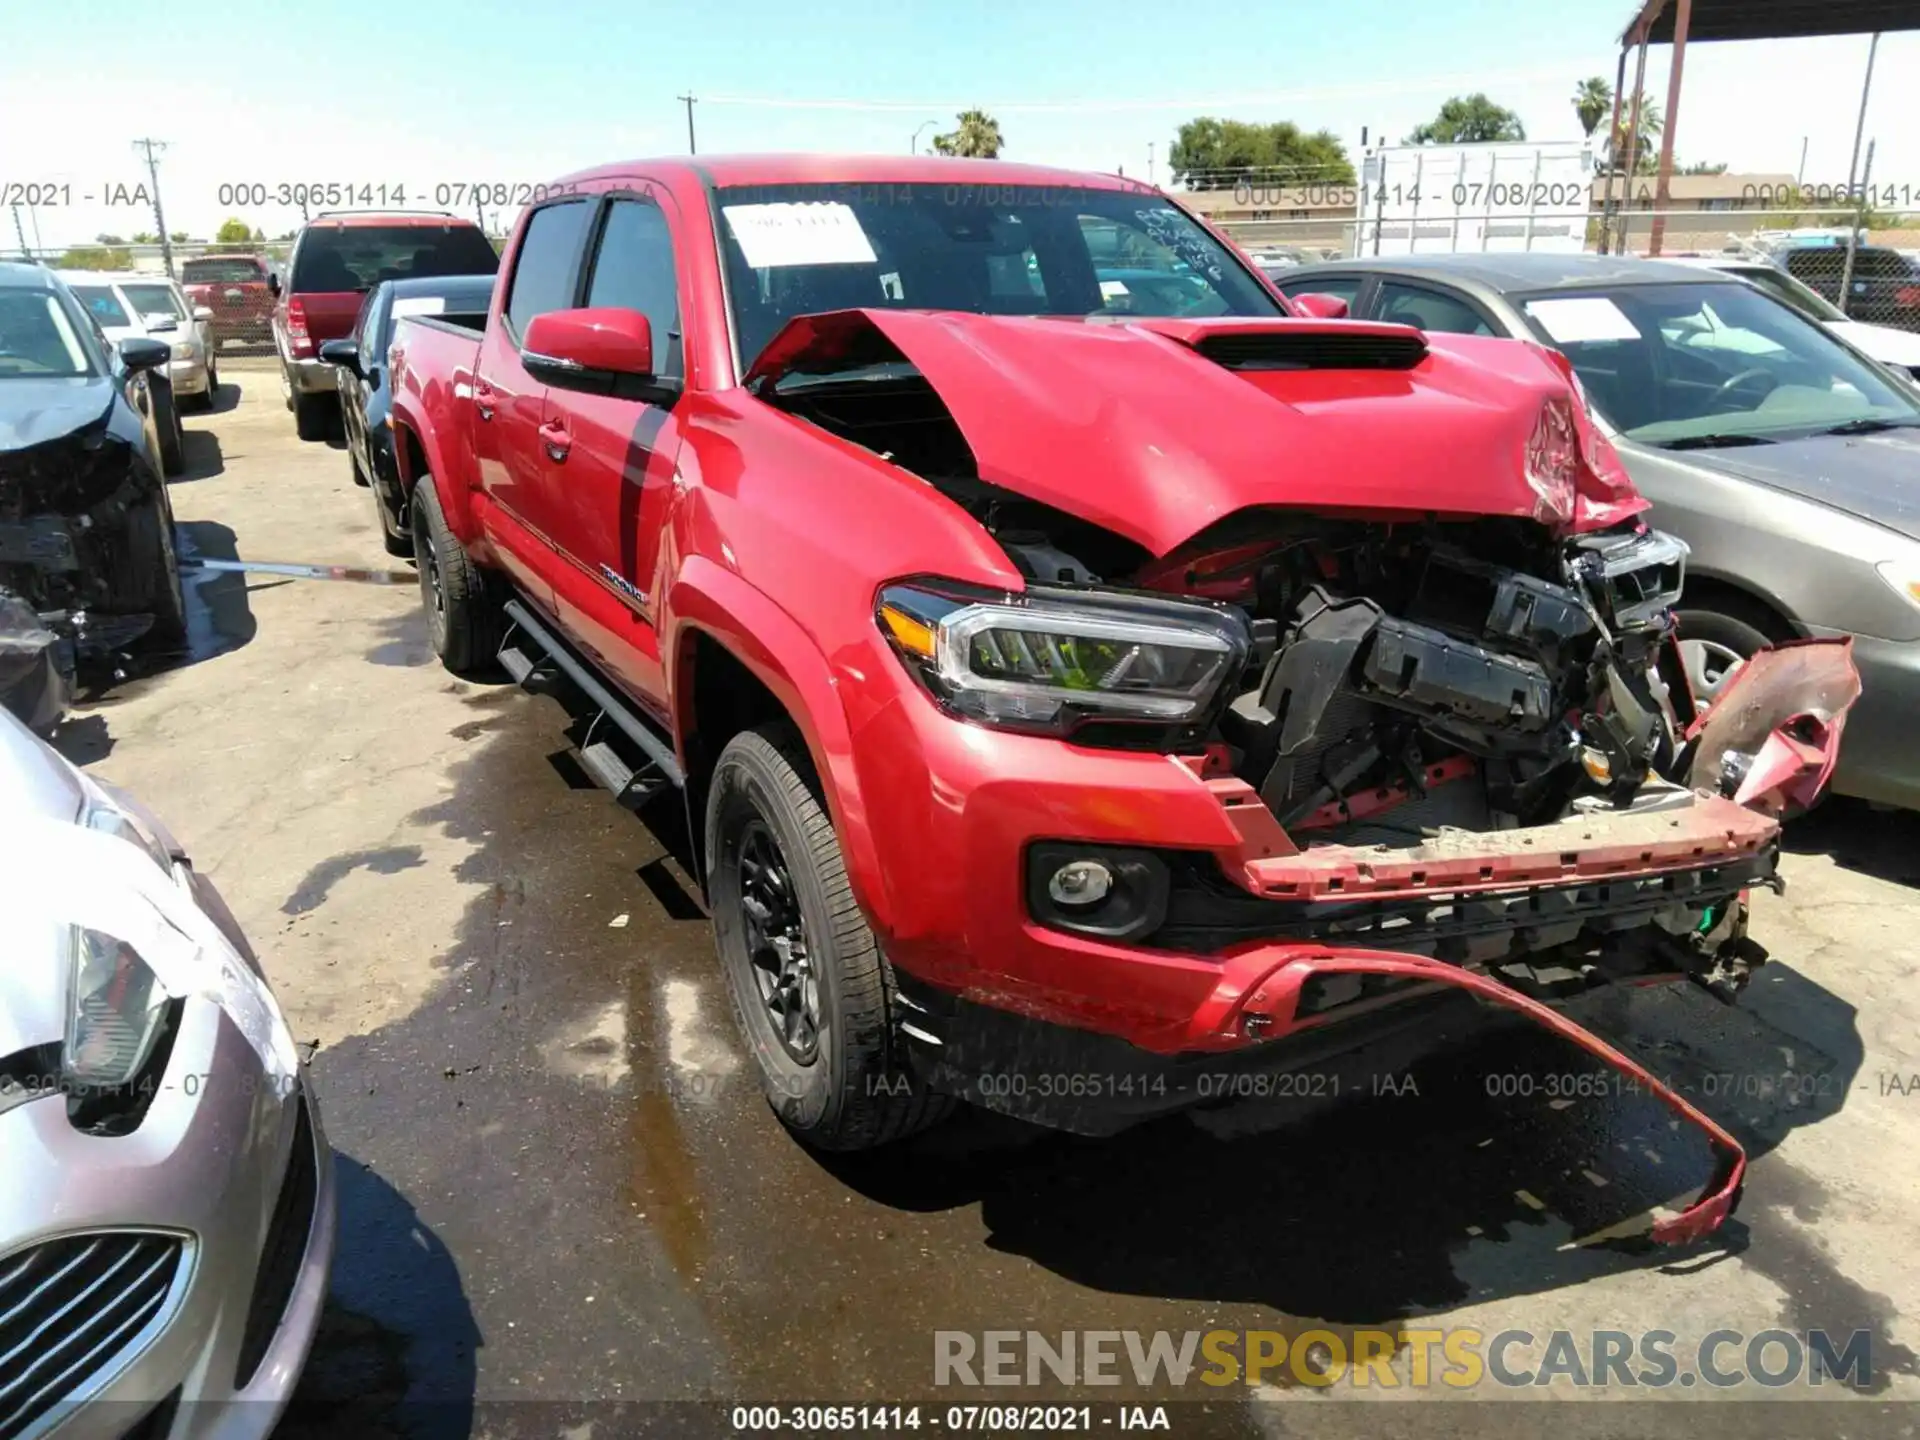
(1265, 995)
(36, 665)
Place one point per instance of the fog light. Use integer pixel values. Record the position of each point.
(1080, 883)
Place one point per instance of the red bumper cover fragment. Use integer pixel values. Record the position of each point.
(1259, 995)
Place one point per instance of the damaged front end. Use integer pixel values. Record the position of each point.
(1453, 734)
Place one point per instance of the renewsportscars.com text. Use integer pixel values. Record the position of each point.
(1458, 1358)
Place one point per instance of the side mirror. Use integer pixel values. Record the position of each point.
(203, 312)
(342, 352)
(143, 354)
(602, 351)
(1321, 307)
(273, 285)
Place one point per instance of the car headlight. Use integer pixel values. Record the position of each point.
(109, 819)
(116, 1011)
(1902, 575)
(183, 350)
(1052, 660)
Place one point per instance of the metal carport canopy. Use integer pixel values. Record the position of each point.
(1676, 22)
(1772, 19)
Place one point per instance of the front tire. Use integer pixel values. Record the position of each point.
(156, 575)
(463, 613)
(166, 423)
(1713, 644)
(811, 991)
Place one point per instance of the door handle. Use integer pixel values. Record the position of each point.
(554, 436)
(483, 399)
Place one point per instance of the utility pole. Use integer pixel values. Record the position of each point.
(151, 149)
(21, 231)
(1150, 162)
(913, 145)
(688, 99)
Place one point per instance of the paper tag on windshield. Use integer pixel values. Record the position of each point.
(820, 232)
(419, 305)
(1575, 321)
(1112, 289)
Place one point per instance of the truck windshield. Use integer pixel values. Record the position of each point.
(359, 257)
(989, 249)
(153, 300)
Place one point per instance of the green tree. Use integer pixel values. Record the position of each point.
(978, 136)
(1469, 120)
(1701, 167)
(1646, 154)
(146, 237)
(1211, 154)
(233, 231)
(96, 257)
(109, 239)
(1592, 102)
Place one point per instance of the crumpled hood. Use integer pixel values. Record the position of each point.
(1133, 427)
(1876, 477)
(34, 411)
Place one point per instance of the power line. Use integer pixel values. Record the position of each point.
(152, 149)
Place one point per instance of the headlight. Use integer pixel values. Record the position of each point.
(116, 1010)
(1903, 575)
(104, 816)
(1051, 660)
(183, 350)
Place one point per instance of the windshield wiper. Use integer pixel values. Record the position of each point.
(1868, 426)
(1711, 442)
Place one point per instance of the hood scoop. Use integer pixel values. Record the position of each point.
(1297, 344)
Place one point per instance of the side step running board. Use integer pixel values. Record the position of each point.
(530, 652)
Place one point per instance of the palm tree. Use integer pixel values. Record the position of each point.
(1592, 101)
(978, 136)
(1646, 153)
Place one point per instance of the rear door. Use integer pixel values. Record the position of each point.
(609, 463)
(509, 403)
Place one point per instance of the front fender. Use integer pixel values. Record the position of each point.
(708, 600)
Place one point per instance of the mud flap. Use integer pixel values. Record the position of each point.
(1772, 736)
(1269, 1004)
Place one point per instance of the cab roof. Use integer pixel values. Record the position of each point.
(803, 169)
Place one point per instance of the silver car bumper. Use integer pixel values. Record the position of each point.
(206, 1169)
(312, 377)
(1879, 757)
(189, 377)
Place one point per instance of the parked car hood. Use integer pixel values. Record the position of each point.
(34, 411)
(1884, 343)
(1134, 427)
(1875, 477)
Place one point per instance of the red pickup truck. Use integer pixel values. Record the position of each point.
(1081, 708)
(235, 288)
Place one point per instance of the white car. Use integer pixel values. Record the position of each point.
(1899, 349)
(168, 1212)
(153, 306)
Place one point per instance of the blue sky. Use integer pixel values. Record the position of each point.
(428, 91)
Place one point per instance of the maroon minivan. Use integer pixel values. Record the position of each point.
(337, 258)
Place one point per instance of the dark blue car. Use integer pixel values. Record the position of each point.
(366, 381)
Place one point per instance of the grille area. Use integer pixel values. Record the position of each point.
(286, 1247)
(1267, 350)
(69, 1308)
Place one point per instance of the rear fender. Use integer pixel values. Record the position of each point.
(706, 599)
(447, 463)
(1259, 996)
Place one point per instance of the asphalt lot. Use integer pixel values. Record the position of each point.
(564, 1202)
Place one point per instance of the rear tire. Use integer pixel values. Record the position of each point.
(835, 1077)
(310, 418)
(463, 613)
(166, 423)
